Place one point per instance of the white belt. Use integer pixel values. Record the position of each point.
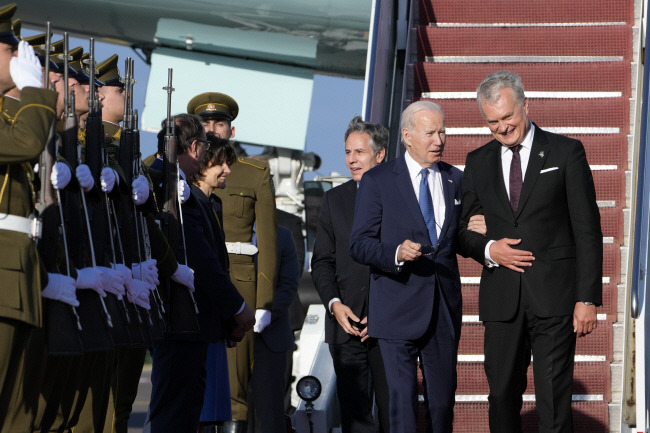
(245, 248)
(31, 226)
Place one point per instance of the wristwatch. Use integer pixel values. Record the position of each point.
(587, 303)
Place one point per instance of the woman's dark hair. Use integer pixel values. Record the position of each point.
(219, 151)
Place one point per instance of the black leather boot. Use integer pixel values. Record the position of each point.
(234, 426)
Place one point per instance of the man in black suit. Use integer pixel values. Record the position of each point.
(275, 344)
(178, 374)
(343, 288)
(542, 255)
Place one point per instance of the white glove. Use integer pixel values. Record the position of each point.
(60, 175)
(146, 271)
(85, 177)
(60, 288)
(183, 190)
(140, 295)
(90, 278)
(140, 190)
(262, 319)
(25, 69)
(101, 280)
(112, 281)
(184, 275)
(107, 179)
(125, 273)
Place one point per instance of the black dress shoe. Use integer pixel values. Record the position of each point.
(234, 426)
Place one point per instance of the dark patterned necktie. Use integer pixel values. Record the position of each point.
(515, 178)
(426, 206)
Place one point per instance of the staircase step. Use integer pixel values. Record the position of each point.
(590, 378)
(471, 294)
(598, 343)
(568, 11)
(607, 42)
(612, 113)
(601, 149)
(472, 417)
(549, 77)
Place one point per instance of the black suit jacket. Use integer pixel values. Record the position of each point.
(216, 297)
(557, 219)
(333, 271)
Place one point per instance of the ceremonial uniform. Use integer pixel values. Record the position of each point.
(20, 302)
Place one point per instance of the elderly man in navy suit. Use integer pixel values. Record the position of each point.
(405, 229)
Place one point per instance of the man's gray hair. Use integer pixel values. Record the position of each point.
(490, 88)
(408, 113)
(378, 133)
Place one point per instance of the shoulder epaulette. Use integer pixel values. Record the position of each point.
(260, 165)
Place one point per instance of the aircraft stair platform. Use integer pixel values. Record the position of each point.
(576, 60)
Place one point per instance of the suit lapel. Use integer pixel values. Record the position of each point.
(348, 203)
(449, 188)
(496, 172)
(405, 186)
(538, 155)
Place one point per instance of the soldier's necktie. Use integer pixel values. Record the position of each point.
(426, 206)
(515, 178)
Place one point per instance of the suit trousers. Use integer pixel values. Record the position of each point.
(178, 385)
(360, 373)
(437, 351)
(21, 364)
(268, 385)
(507, 357)
(124, 388)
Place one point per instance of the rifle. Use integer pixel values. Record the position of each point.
(126, 206)
(92, 311)
(183, 311)
(61, 320)
(97, 209)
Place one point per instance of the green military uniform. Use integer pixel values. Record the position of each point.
(23, 137)
(247, 200)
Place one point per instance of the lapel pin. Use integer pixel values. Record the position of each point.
(450, 181)
(541, 154)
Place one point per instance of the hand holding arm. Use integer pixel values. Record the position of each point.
(477, 224)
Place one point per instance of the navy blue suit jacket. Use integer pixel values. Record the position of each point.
(387, 213)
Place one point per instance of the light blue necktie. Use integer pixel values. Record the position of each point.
(426, 206)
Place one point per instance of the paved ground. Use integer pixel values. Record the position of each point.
(307, 295)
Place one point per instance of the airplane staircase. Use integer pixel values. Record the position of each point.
(575, 58)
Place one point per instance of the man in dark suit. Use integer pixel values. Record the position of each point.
(274, 344)
(405, 227)
(178, 375)
(542, 255)
(343, 288)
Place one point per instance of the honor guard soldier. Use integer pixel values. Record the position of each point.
(23, 139)
(247, 201)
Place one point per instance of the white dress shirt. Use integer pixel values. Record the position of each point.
(506, 159)
(435, 188)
